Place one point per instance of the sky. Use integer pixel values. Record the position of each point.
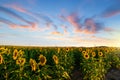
(60, 23)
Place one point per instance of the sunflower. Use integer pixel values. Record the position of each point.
(55, 58)
(1, 59)
(67, 49)
(86, 56)
(21, 53)
(21, 61)
(100, 54)
(58, 50)
(33, 64)
(93, 54)
(66, 75)
(80, 49)
(15, 54)
(106, 51)
(42, 60)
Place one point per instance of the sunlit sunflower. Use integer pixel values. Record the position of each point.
(58, 50)
(84, 52)
(93, 54)
(1, 59)
(55, 58)
(67, 49)
(86, 56)
(15, 54)
(21, 53)
(100, 54)
(21, 61)
(33, 64)
(80, 49)
(42, 60)
(106, 51)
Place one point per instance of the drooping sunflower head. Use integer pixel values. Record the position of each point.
(55, 58)
(42, 60)
(1, 59)
(33, 64)
(86, 56)
(15, 54)
(100, 54)
(93, 54)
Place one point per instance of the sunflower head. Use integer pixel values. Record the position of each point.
(67, 49)
(21, 53)
(15, 54)
(84, 52)
(93, 54)
(80, 49)
(100, 54)
(86, 56)
(106, 51)
(42, 60)
(33, 64)
(1, 59)
(21, 61)
(55, 58)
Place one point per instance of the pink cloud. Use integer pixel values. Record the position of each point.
(108, 29)
(56, 33)
(16, 7)
(74, 20)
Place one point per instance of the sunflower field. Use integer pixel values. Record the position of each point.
(57, 63)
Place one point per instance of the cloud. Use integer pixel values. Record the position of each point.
(65, 29)
(13, 14)
(84, 25)
(14, 26)
(108, 29)
(56, 33)
(91, 26)
(111, 11)
(9, 12)
(75, 21)
(11, 24)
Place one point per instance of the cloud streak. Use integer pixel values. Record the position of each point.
(111, 11)
(16, 16)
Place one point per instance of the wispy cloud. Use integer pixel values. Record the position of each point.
(56, 33)
(91, 26)
(88, 26)
(14, 25)
(11, 24)
(11, 13)
(75, 21)
(111, 11)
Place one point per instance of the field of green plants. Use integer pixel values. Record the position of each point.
(56, 63)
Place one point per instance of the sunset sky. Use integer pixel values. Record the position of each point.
(60, 22)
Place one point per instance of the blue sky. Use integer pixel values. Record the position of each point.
(60, 22)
